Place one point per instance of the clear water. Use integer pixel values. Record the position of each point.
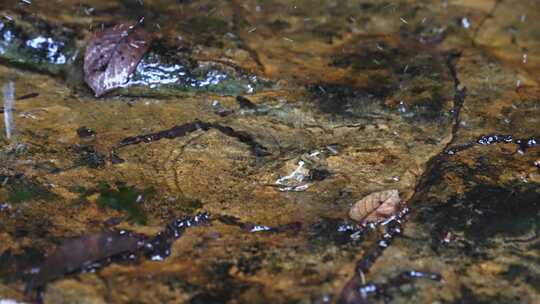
(274, 117)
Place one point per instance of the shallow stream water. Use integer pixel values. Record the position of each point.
(223, 170)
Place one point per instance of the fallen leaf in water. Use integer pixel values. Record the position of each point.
(112, 55)
(93, 251)
(75, 254)
(376, 206)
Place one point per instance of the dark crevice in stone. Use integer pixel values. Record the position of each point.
(28, 96)
(352, 292)
(239, 22)
(245, 103)
(485, 140)
(460, 92)
(432, 168)
(182, 130)
(481, 23)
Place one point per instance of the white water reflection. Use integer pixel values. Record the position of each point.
(9, 100)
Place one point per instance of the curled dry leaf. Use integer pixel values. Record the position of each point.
(112, 55)
(376, 206)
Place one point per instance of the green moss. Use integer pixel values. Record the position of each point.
(124, 198)
(22, 189)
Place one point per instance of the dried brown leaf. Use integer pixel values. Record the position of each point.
(376, 206)
(112, 55)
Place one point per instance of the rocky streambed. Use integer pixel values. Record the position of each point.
(223, 171)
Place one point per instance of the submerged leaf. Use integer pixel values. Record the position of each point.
(376, 206)
(112, 55)
(75, 254)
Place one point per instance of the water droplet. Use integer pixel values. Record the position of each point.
(465, 22)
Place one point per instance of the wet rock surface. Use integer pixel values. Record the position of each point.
(275, 118)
